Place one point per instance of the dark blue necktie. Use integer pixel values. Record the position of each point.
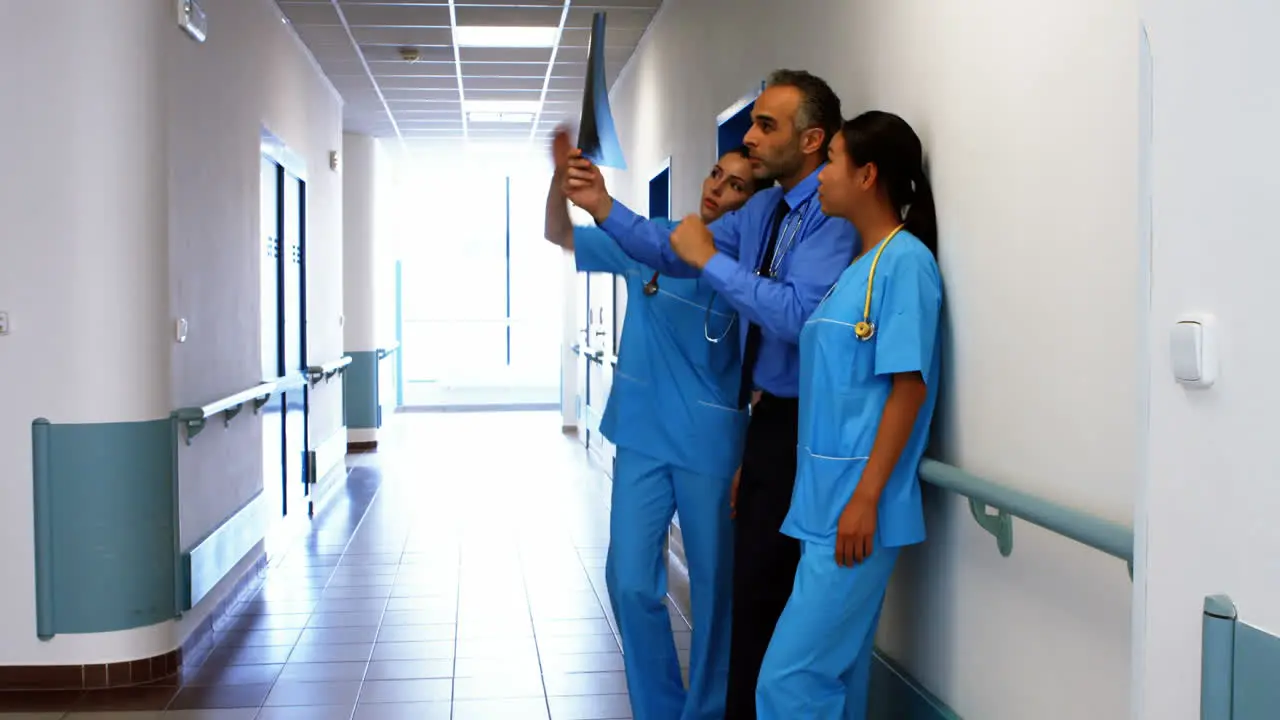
(751, 352)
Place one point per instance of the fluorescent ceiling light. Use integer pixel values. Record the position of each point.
(500, 117)
(501, 106)
(517, 37)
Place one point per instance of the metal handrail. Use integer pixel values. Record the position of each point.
(316, 373)
(194, 418)
(1103, 535)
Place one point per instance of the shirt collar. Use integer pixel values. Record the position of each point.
(803, 190)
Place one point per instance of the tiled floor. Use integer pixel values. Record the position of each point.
(469, 586)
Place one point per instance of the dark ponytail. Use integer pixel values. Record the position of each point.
(888, 141)
(922, 218)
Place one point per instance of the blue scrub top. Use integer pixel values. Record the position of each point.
(674, 395)
(845, 383)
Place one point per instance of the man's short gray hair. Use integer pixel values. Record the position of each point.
(819, 104)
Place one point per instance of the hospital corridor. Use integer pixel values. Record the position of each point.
(443, 581)
(639, 360)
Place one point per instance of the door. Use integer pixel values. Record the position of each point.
(283, 337)
(293, 333)
(273, 466)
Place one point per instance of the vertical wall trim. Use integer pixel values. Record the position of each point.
(399, 335)
(1217, 659)
(43, 528)
(508, 268)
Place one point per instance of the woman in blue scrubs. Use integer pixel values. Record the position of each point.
(673, 415)
(869, 372)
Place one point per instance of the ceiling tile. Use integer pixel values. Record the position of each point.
(508, 16)
(310, 13)
(632, 19)
(420, 94)
(379, 15)
(417, 83)
(401, 36)
(501, 83)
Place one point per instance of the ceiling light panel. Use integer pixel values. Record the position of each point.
(492, 117)
(483, 36)
(500, 106)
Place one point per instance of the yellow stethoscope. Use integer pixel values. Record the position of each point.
(866, 329)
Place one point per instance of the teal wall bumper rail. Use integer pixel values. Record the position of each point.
(1239, 664)
(362, 399)
(106, 533)
(1103, 535)
(195, 418)
(108, 552)
(316, 373)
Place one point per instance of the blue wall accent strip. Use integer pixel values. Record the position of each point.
(360, 390)
(1256, 695)
(400, 333)
(104, 526)
(1216, 658)
(895, 695)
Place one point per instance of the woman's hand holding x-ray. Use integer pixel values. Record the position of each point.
(584, 186)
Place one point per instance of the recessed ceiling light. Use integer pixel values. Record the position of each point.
(521, 37)
(500, 117)
(501, 106)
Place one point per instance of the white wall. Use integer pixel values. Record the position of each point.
(82, 264)
(1029, 114)
(1211, 495)
(252, 72)
(131, 199)
(360, 272)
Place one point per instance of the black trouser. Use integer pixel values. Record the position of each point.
(765, 560)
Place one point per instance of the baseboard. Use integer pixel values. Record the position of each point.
(327, 465)
(361, 438)
(894, 694)
(210, 560)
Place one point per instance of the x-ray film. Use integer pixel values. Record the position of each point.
(597, 136)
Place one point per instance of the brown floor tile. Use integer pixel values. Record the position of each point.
(410, 669)
(404, 711)
(234, 675)
(295, 693)
(570, 684)
(406, 691)
(519, 709)
(590, 707)
(322, 672)
(121, 699)
(38, 701)
(221, 696)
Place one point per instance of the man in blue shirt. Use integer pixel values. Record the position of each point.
(673, 414)
(773, 261)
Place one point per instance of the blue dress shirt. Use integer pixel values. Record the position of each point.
(807, 266)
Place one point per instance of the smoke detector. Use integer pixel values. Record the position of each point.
(410, 54)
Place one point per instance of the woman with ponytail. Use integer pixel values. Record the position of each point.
(869, 370)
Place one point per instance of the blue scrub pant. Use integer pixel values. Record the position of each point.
(646, 493)
(818, 666)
